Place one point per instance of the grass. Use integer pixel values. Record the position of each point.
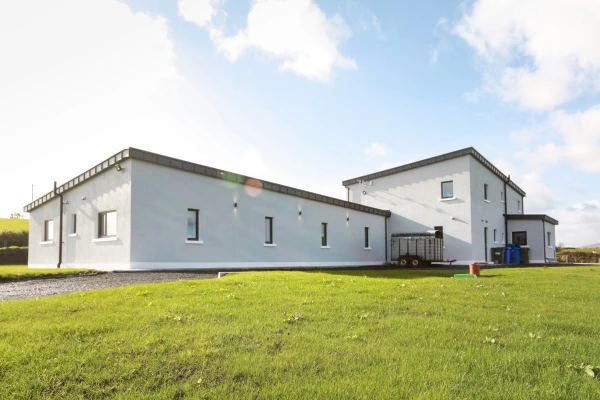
(338, 335)
(590, 250)
(13, 224)
(21, 272)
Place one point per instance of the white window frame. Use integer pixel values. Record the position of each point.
(48, 234)
(103, 225)
(196, 238)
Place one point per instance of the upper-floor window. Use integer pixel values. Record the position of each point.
(324, 234)
(366, 237)
(107, 224)
(73, 224)
(485, 191)
(193, 224)
(48, 230)
(268, 230)
(502, 197)
(519, 205)
(447, 189)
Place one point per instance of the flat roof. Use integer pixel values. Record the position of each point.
(444, 157)
(199, 169)
(542, 217)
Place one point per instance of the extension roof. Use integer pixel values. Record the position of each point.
(154, 158)
(529, 217)
(444, 157)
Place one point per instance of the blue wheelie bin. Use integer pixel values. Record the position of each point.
(507, 254)
(515, 256)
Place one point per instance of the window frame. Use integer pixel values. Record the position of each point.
(48, 233)
(549, 234)
(324, 236)
(196, 238)
(486, 189)
(442, 190)
(367, 238)
(520, 232)
(518, 205)
(269, 239)
(103, 224)
(74, 224)
(495, 237)
(502, 196)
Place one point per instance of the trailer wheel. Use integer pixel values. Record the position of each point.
(415, 262)
(403, 261)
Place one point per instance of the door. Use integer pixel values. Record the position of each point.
(485, 234)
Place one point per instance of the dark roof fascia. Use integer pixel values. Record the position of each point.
(199, 169)
(444, 157)
(542, 217)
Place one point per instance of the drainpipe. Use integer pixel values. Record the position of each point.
(544, 233)
(506, 213)
(60, 227)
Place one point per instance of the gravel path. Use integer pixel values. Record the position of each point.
(52, 286)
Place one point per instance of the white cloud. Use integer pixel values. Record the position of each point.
(375, 150)
(200, 12)
(579, 223)
(433, 58)
(579, 133)
(369, 21)
(539, 52)
(296, 33)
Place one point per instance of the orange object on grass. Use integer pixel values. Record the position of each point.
(474, 269)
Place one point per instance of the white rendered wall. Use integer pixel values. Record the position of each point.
(234, 237)
(414, 197)
(109, 190)
(535, 237)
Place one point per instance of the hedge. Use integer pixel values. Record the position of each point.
(13, 255)
(14, 238)
(578, 257)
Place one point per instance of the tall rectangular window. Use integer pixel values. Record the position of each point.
(107, 224)
(485, 191)
(549, 237)
(268, 230)
(73, 224)
(193, 224)
(503, 242)
(502, 197)
(519, 205)
(495, 239)
(48, 230)
(366, 237)
(323, 234)
(447, 189)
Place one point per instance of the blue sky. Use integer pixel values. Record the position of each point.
(309, 92)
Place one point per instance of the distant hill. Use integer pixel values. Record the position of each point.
(13, 225)
(591, 246)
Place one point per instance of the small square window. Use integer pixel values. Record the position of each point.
(447, 189)
(520, 238)
(107, 224)
(48, 230)
(193, 224)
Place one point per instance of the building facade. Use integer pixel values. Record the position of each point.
(141, 210)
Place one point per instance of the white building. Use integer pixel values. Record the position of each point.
(141, 210)
(462, 194)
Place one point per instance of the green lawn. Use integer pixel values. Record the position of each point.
(21, 272)
(13, 225)
(314, 335)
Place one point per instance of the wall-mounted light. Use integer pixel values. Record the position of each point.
(82, 197)
(66, 202)
(118, 167)
(299, 213)
(235, 205)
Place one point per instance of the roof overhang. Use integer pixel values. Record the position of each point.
(444, 157)
(529, 217)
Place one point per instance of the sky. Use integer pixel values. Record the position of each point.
(307, 92)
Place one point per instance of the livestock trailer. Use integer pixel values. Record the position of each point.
(417, 249)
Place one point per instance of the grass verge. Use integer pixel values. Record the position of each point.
(21, 272)
(514, 333)
(13, 224)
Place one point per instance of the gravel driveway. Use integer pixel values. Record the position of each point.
(52, 286)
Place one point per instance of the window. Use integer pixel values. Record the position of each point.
(73, 224)
(268, 230)
(366, 237)
(502, 197)
(447, 190)
(485, 191)
(549, 241)
(323, 234)
(519, 205)
(107, 224)
(519, 238)
(495, 239)
(503, 237)
(48, 230)
(193, 224)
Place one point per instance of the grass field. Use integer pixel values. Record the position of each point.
(13, 225)
(364, 334)
(21, 272)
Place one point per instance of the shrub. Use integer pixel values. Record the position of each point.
(13, 255)
(14, 238)
(578, 257)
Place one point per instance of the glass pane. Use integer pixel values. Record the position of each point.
(111, 223)
(366, 237)
(447, 189)
(49, 230)
(268, 238)
(191, 225)
(323, 234)
(74, 230)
